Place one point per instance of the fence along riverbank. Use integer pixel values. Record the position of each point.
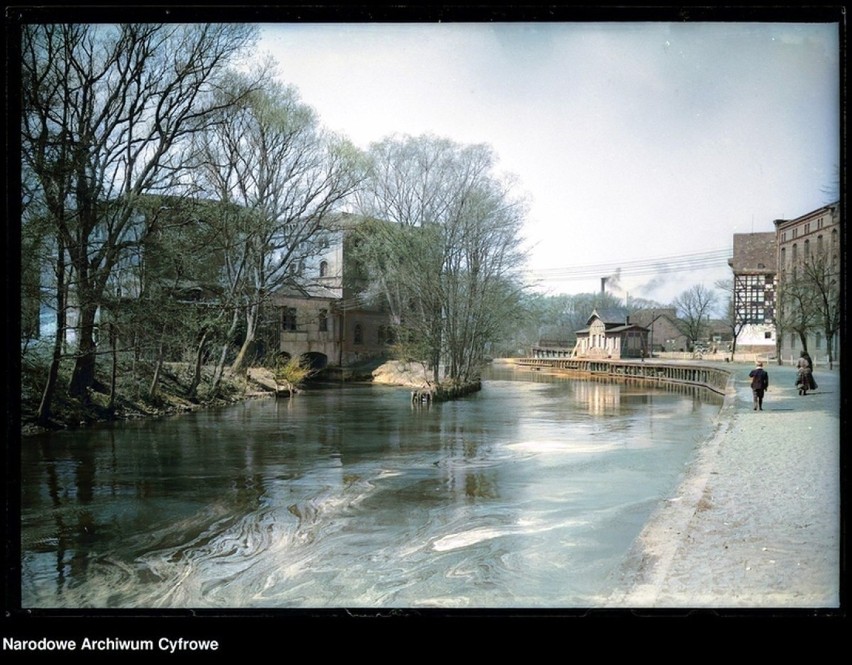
(713, 378)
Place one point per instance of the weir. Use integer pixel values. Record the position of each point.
(704, 376)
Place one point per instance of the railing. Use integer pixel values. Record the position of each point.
(683, 373)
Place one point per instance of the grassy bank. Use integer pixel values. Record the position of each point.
(133, 395)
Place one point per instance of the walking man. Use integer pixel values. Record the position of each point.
(759, 384)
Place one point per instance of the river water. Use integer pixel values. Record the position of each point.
(526, 494)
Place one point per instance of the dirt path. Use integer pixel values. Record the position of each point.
(756, 521)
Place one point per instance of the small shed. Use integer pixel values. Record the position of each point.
(610, 334)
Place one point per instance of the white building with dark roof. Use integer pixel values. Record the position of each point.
(610, 334)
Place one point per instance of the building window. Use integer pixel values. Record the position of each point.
(807, 249)
(288, 318)
(359, 334)
(323, 320)
(323, 268)
(767, 335)
(754, 298)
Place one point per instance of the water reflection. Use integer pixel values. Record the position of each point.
(526, 494)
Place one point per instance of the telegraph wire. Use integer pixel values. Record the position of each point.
(653, 266)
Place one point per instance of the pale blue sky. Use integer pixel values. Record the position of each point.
(632, 140)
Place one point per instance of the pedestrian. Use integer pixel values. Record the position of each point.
(805, 377)
(759, 384)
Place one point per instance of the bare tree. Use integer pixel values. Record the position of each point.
(446, 252)
(268, 156)
(736, 310)
(106, 111)
(798, 311)
(821, 276)
(811, 298)
(695, 307)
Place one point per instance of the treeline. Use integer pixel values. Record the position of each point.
(169, 190)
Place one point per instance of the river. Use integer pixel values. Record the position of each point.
(526, 494)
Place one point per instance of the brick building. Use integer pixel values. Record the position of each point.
(325, 320)
(811, 240)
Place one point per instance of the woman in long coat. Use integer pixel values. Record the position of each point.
(805, 378)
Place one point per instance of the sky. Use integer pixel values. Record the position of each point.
(633, 142)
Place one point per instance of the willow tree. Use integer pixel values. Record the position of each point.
(106, 113)
(268, 156)
(443, 249)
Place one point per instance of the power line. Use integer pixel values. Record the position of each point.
(654, 266)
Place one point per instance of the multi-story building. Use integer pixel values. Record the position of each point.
(808, 256)
(325, 319)
(754, 303)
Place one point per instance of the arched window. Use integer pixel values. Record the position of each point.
(323, 268)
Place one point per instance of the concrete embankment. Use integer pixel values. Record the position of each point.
(756, 521)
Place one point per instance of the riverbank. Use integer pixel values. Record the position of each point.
(133, 401)
(756, 521)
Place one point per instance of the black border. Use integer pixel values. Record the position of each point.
(446, 632)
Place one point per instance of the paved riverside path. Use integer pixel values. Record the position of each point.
(755, 523)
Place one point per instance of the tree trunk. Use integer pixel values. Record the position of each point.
(44, 408)
(83, 376)
(220, 366)
(803, 338)
(199, 356)
(113, 342)
(829, 345)
(248, 344)
(152, 391)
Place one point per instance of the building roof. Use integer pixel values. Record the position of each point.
(610, 316)
(754, 253)
(308, 291)
(830, 208)
(645, 317)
